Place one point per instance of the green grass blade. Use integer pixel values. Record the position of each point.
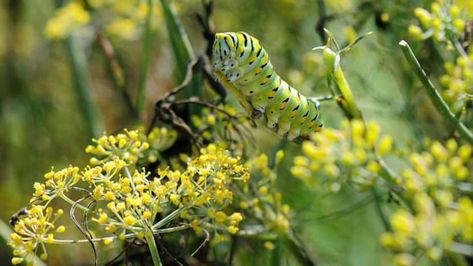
(144, 64)
(182, 49)
(87, 108)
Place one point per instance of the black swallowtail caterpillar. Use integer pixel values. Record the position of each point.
(243, 66)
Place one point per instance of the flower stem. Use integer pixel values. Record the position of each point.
(132, 184)
(153, 249)
(439, 103)
(72, 203)
(379, 209)
(348, 101)
(168, 218)
(127, 236)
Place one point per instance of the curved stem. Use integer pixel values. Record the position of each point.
(438, 101)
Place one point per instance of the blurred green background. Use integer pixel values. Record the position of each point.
(42, 122)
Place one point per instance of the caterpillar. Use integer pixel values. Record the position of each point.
(242, 65)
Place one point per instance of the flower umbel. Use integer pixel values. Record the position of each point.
(349, 155)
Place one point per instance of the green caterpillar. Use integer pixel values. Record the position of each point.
(243, 66)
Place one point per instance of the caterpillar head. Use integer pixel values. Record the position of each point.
(222, 47)
(223, 54)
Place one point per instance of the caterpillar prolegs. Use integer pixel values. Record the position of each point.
(239, 61)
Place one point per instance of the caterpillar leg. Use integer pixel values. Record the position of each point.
(272, 123)
(283, 128)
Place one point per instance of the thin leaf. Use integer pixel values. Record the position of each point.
(182, 51)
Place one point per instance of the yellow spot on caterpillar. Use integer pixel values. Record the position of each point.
(271, 94)
(258, 70)
(293, 114)
(265, 80)
(252, 58)
(282, 106)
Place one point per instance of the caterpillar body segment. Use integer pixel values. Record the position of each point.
(243, 66)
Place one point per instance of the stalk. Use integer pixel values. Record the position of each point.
(434, 95)
(72, 203)
(153, 249)
(345, 91)
(335, 73)
(379, 209)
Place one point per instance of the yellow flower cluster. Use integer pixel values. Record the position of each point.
(123, 19)
(198, 195)
(57, 183)
(33, 229)
(132, 202)
(351, 154)
(441, 213)
(467, 6)
(207, 184)
(437, 170)
(429, 229)
(128, 16)
(443, 19)
(128, 147)
(457, 83)
(262, 204)
(66, 20)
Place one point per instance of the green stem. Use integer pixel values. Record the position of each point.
(140, 94)
(72, 203)
(345, 91)
(323, 98)
(132, 184)
(79, 76)
(127, 236)
(298, 250)
(277, 254)
(153, 249)
(168, 218)
(341, 86)
(439, 103)
(456, 258)
(379, 209)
